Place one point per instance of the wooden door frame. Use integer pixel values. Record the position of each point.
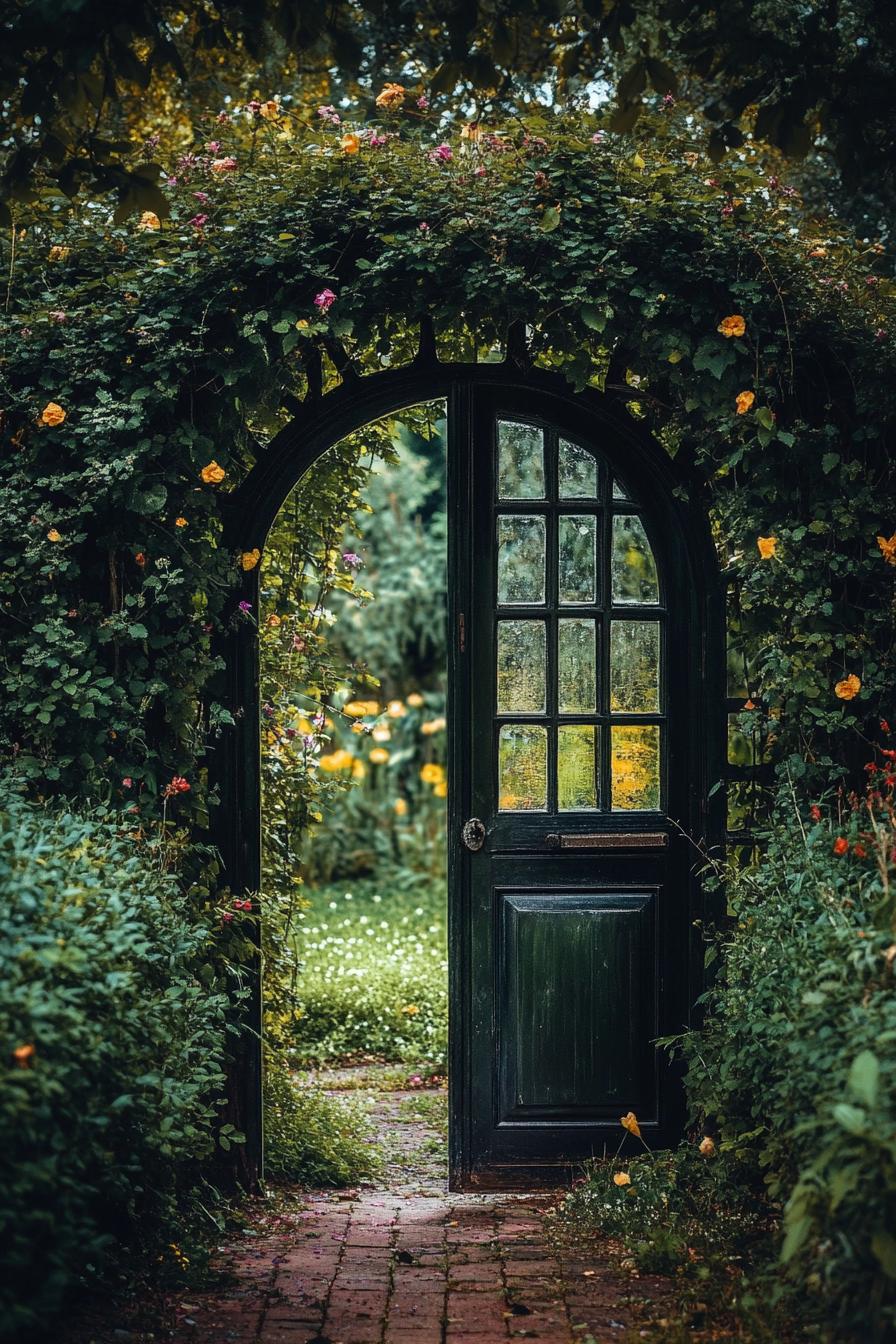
(666, 494)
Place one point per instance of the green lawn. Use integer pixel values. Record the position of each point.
(374, 981)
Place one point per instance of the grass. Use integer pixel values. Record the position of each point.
(374, 981)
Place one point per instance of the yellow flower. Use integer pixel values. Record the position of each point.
(52, 414)
(743, 401)
(431, 773)
(350, 143)
(848, 688)
(53, 535)
(441, 789)
(395, 709)
(379, 756)
(622, 1178)
(249, 559)
(432, 726)
(381, 733)
(371, 706)
(58, 252)
(767, 547)
(270, 110)
(274, 620)
(180, 522)
(148, 222)
(359, 770)
(415, 699)
(630, 1122)
(212, 474)
(400, 807)
(732, 326)
(391, 97)
(355, 708)
(707, 1146)
(411, 1009)
(358, 727)
(887, 549)
(336, 760)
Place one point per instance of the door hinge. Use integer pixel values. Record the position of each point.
(461, 632)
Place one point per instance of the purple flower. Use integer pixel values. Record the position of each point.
(324, 301)
(199, 221)
(245, 607)
(375, 140)
(441, 154)
(351, 560)
(329, 114)
(213, 146)
(170, 181)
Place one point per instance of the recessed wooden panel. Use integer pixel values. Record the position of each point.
(577, 1005)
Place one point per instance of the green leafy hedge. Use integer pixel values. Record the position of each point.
(113, 1044)
(797, 1064)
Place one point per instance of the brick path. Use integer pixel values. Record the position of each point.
(408, 1263)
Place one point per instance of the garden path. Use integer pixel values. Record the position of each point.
(409, 1263)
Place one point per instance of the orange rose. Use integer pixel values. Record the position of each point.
(630, 1122)
(848, 688)
(23, 1055)
(53, 535)
(622, 1178)
(249, 559)
(767, 547)
(52, 414)
(732, 326)
(148, 222)
(180, 522)
(707, 1146)
(269, 110)
(743, 401)
(350, 143)
(58, 253)
(212, 474)
(888, 548)
(391, 97)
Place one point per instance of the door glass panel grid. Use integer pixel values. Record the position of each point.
(624, 734)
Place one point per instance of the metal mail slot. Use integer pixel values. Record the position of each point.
(608, 840)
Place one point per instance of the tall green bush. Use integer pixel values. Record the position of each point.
(796, 1061)
(114, 1034)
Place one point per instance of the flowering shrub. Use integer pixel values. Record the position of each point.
(113, 1028)
(795, 1062)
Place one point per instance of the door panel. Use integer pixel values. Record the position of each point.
(572, 908)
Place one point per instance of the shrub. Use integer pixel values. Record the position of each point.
(311, 1138)
(796, 1059)
(112, 1055)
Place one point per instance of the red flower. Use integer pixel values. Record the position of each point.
(841, 845)
(140, 559)
(815, 812)
(860, 851)
(178, 785)
(884, 726)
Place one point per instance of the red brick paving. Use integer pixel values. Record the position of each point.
(408, 1263)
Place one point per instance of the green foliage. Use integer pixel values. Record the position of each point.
(795, 1061)
(311, 1138)
(374, 973)
(114, 1028)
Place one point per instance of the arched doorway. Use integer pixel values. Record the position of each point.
(586, 721)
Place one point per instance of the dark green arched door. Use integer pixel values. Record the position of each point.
(571, 897)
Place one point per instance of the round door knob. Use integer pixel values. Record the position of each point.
(473, 833)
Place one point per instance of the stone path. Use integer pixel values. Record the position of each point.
(409, 1263)
(402, 1263)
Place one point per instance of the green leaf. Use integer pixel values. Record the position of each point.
(593, 317)
(829, 462)
(851, 1118)
(550, 220)
(864, 1078)
(883, 1244)
(765, 417)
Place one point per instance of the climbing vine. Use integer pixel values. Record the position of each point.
(145, 366)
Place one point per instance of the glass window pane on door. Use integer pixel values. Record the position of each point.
(522, 768)
(635, 667)
(521, 667)
(635, 767)
(577, 472)
(576, 666)
(577, 540)
(633, 566)
(520, 461)
(576, 760)
(521, 548)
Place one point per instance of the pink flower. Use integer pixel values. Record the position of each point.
(245, 606)
(423, 103)
(423, 227)
(127, 782)
(227, 165)
(298, 644)
(668, 100)
(199, 221)
(479, 172)
(223, 119)
(253, 106)
(329, 114)
(441, 154)
(324, 301)
(351, 560)
(201, 196)
(213, 146)
(597, 138)
(227, 917)
(170, 181)
(375, 140)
